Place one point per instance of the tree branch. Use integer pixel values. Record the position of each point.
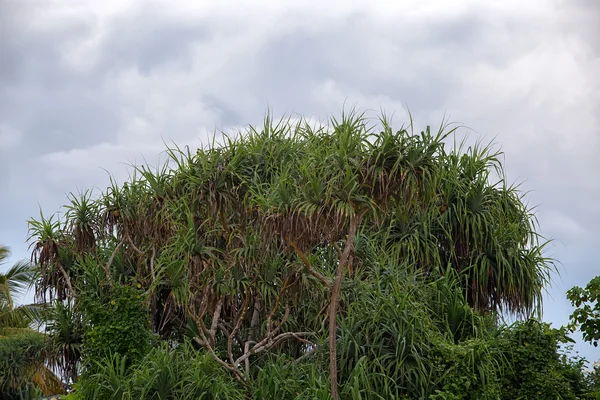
(262, 345)
(335, 301)
(215, 322)
(110, 261)
(306, 263)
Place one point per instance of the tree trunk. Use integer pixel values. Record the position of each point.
(334, 303)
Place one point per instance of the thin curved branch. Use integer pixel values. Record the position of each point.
(306, 263)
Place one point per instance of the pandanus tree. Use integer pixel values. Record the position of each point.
(246, 245)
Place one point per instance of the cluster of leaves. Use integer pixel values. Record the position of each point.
(14, 282)
(537, 367)
(402, 335)
(21, 354)
(64, 326)
(586, 316)
(117, 323)
(163, 373)
(594, 381)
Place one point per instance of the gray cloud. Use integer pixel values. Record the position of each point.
(91, 85)
(150, 41)
(580, 18)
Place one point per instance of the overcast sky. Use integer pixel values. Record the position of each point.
(99, 84)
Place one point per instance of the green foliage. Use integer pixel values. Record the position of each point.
(284, 378)
(166, 374)
(586, 316)
(537, 369)
(390, 330)
(15, 281)
(65, 329)
(593, 378)
(31, 392)
(467, 370)
(23, 351)
(117, 323)
(258, 247)
(21, 354)
(403, 335)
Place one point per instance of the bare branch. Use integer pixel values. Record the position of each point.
(203, 342)
(240, 318)
(306, 263)
(262, 345)
(67, 279)
(269, 318)
(110, 261)
(215, 321)
(252, 333)
(133, 246)
(152, 263)
(335, 300)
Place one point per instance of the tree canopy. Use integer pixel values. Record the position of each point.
(273, 242)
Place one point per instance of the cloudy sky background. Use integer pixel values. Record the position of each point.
(100, 84)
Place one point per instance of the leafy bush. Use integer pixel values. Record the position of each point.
(182, 373)
(410, 338)
(283, 377)
(537, 369)
(467, 370)
(586, 316)
(117, 323)
(388, 331)
(21, 354)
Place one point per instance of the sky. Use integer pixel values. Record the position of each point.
(90, 86)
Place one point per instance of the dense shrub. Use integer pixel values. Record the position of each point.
(164, 373)
(283, 377)
(21, 353)
(116, 322)
(537, 367)
(400, 334)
